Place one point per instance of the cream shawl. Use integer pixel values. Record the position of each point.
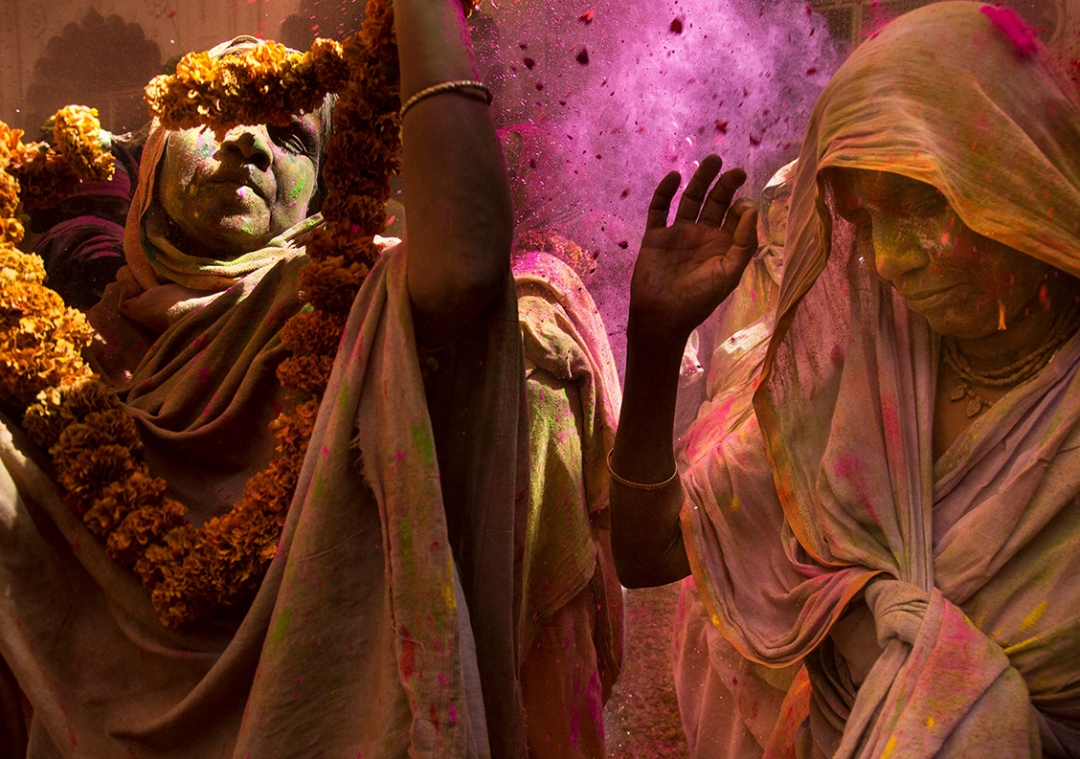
(825, 489)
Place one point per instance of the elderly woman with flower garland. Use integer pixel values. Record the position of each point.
(887, 493)
(359, 601)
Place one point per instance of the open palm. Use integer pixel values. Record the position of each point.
(685, 270)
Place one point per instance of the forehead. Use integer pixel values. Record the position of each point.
(860, 188)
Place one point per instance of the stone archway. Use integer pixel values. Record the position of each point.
(100, 62)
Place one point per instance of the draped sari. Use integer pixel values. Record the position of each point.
(385, 624)
(814, 504)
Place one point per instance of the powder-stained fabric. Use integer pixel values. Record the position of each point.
(824, 490)
(386, 623)
(571, 623)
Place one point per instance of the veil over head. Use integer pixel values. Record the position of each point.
(827, 490)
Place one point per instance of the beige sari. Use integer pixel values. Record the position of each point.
(821, 496)
(385, 625)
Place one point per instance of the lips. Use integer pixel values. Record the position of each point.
(925, 300)
(238, 179)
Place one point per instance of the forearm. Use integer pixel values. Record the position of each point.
(460, 222)
(645, 531)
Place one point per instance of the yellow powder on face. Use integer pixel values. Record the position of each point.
(1001, 316)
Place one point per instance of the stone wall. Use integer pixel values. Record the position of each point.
(103, 51)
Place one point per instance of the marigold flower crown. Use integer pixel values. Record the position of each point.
(191, 572)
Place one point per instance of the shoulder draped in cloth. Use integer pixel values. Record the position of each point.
(824, 489)
(375, 631)
(571, 621)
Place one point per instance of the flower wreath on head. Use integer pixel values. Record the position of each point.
(192, 572)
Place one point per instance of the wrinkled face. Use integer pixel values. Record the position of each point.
(958, 279)
(233, 197)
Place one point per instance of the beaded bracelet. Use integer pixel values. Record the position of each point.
(639, 485)
(436, 89)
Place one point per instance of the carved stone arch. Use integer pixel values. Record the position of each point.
(101, 62)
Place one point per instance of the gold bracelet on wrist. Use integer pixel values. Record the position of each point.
(456, 86)
(639, 485)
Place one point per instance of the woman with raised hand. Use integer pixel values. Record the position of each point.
(889, 494)
(376, 617)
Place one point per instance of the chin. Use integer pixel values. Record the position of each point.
(960, 328)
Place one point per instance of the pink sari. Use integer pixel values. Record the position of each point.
(817, 509)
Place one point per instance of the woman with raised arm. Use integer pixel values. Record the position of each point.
(888, 494)
(356, 600)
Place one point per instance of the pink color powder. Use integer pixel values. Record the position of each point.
(1024, 38)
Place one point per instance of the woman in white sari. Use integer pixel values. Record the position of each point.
(888, 493)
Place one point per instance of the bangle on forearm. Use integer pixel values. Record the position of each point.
(458, 86)
(639, 485)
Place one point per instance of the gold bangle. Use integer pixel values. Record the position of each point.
(639, 485)
(436, 89)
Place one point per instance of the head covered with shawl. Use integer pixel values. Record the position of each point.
(962, 560)
(206, 214)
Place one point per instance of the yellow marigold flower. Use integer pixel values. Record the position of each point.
(79, 139)
(16, 266)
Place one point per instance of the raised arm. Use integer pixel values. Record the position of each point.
(682, 273)
(460, 222)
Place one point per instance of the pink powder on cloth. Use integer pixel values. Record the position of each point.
(1024, 38)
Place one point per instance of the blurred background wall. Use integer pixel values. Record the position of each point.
(102, 52)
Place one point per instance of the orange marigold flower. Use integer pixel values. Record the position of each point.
(292, 429)
(85, 473)
(328, 59)
(45, 176)
(166, 556)
(85, 398)
(142, 528)
(329, 286)
(306, 374)
(314, 332)
(11, 232)
(140, 491)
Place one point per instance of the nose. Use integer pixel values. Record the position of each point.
(897, 249)
(251, 144)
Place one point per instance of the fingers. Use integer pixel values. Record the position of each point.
(719, 199)
(694, 195)
(698, 202)
(745, 235)
(734, 221)
(660, 205)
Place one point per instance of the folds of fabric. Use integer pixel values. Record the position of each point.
(353, 643)
(826, 489)
(574, 407)
(571, 621)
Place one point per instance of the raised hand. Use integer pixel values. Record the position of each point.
(685, 270)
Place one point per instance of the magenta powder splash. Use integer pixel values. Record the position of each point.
(735, 77)
(1024, 38)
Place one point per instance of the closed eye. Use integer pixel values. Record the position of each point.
(296, 138)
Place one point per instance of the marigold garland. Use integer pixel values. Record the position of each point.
(193, 572)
